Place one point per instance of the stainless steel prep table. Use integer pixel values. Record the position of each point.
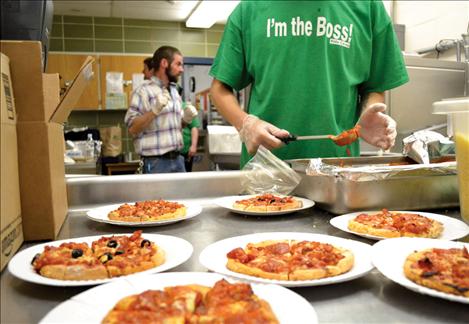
(369, 299)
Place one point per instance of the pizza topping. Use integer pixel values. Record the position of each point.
(76, 253)
(145, 243)
(105, 257)
(112, 244)
(119, 252)
(273, 265)
(35, 258)
(240, 255)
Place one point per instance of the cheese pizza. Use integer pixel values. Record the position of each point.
(149, 210)
(222, 303)
(388, 224)
(446, 270)
(290, 260)
(267, 203)
(107, 257)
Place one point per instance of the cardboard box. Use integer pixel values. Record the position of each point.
(41, 114)
(10, 208)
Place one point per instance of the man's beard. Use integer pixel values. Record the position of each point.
(171, 77)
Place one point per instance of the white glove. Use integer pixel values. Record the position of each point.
(377, 128)
(189, 113)
(162, 99)
(255, 132)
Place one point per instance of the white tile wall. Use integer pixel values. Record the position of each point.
(428, 22)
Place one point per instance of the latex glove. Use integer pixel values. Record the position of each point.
(377, 128)
(162, 99)
(189, 113)
(255, 132)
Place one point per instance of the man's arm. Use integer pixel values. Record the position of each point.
(372, 98)
(194, 141)
(141, 122)
(252, 130)
(227, 104)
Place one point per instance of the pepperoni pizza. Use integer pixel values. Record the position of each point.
(290, 260)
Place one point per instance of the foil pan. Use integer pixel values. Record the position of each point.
(343, 185)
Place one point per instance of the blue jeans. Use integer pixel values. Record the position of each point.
(162, 165)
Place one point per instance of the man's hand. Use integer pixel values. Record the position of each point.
(189, 113)
(192, 151)
(255, 132)
(162, 100)
(377, 128)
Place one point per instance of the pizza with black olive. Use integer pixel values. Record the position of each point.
(107, 257)
(446, 270)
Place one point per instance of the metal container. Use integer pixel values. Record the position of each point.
(371, 183)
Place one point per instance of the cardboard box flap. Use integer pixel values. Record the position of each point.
(73, 92)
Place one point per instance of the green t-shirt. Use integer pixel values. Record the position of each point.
(307, 63)
(186, 133)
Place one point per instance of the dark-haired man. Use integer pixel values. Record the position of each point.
(155, 115)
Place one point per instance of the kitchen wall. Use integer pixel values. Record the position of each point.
(428, 22)
(130, 36)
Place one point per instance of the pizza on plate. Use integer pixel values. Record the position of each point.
(222, 303)
(446, 270)
(107, 257)
(290, 260)
(267, 203)
(389, 224)
(148, 210)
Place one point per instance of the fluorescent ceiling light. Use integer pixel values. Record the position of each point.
(208, 13)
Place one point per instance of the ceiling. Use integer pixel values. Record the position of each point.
(167, 10)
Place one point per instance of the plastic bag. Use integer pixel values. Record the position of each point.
(265, 173)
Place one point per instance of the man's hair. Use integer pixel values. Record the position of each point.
(148, 62)
(164, 52)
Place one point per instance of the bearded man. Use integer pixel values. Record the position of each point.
(155, 117)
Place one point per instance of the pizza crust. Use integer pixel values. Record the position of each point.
(366, 229)
(239, 267)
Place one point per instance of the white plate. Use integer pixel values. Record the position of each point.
(176, 249)
(92, 305)
(389, 256)
(452, 228)
(214, 257)
(100, 215)
(227, 202)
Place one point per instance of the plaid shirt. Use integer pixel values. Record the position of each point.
(164, 134)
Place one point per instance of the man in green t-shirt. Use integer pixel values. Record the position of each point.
(315, 68)
(190, 137)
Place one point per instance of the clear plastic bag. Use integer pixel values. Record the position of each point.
(265, 173)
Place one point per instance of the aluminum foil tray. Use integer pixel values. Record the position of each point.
(343, 185)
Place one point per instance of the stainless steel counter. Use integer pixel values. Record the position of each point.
(369, 299)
